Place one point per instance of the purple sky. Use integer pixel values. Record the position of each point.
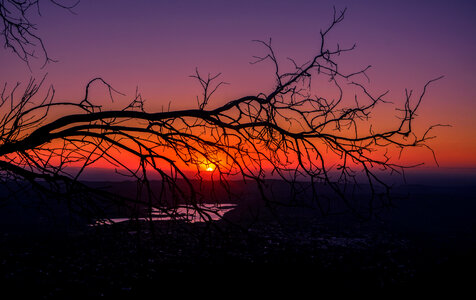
(156, 45)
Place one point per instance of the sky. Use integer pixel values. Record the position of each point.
(155, 45)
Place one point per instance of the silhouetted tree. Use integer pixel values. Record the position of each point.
(19, 33)
(288, 133)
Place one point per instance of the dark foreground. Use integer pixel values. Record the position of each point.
(425, 245)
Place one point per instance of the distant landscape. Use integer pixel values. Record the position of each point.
(428, 238)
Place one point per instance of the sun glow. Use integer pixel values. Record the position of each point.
(208, 166)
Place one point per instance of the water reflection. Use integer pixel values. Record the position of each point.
(205, 212)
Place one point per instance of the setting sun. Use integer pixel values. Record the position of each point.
(207, 166)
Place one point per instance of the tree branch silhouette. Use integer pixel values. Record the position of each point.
(287, 132)
(19, 32)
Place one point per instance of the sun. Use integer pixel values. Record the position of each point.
(208, 166)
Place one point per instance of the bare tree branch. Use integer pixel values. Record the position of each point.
(19, 33)
(287, 132)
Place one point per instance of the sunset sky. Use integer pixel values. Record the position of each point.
(156, 45)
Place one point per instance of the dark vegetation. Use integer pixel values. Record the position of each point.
(425, 244)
